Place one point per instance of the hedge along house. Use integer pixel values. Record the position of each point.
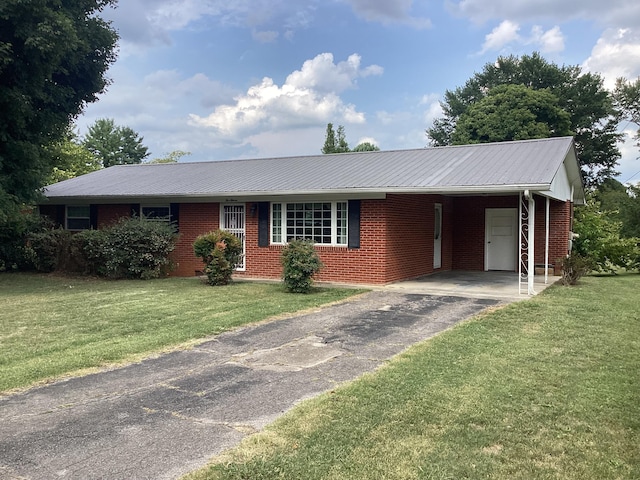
(375, 217)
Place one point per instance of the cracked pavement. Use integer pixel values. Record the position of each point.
(168, 415)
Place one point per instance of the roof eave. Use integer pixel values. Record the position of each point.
(346, 192)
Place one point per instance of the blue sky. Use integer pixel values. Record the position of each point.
(259, 78)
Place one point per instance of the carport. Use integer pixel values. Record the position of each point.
(492, 285)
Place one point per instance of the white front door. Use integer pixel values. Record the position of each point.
(437, 236)
(501, 239)
(232, 220)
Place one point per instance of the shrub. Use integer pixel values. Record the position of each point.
(300, 262)
(131, 248)
(574, 267)
(599, 240)
(51, 249)
(220, 251)
(16, 252)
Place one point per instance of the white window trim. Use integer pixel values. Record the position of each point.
(334, 223)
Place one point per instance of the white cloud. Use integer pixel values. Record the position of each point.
(616, 54)
(550, 41)
(309, 96)
(507, 34)
(149, 106)
(388, 11)
(502, 35)
(433, 108)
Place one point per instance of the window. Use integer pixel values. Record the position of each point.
(78, 217)
(161, 213)
(323, 222)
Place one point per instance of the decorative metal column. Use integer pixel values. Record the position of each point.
(526, 220)
(546, 243)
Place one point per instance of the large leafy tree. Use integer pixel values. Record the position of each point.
(113, 144)
(627, 98)
(512, 112)
(582, 95)
(53, 60)
(71, 159)
(622, 204)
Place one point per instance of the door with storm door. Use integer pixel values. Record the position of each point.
(233, 221)
(501, 239)
(437, 236)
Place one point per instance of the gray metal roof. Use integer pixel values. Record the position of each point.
(489, 167)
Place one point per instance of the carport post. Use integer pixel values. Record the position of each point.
(531, 247)
(546, 244)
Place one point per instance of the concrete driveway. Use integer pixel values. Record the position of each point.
(168, 415)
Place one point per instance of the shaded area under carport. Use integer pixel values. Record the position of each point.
(496, 285)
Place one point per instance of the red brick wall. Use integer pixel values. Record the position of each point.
(109, 214)
(468, 230)
(195, 219)
(366, 264)
(411, 220)
(469, 226)
(559, 228)
(396, 237)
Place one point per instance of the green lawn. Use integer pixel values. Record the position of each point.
(543, 389)
(52, 326)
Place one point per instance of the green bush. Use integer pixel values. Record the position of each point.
(16, 252)
(52, 250)
(300, 262)
(220, 251)
(574, 267)
(599, 240)
(131, 248)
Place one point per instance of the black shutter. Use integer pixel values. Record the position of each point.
(354, 224)
(93, 216)
(61, 211)
(135, 209)
(263, 224)
(174, 210)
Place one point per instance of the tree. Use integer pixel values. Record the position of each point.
(627, 99)
(53, 60)
(621, 204)
(366, 147)
(511, 112)
(114, 145)
(582, 95)
(335, 142)
(173, 157)
(600, 241)
(71, 159)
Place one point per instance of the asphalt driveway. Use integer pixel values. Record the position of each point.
(166, 416)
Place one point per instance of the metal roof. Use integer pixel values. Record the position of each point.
(489, 167)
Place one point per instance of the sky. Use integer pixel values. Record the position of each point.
(262, 78)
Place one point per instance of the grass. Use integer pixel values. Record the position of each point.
(543, 389)
(52, 326)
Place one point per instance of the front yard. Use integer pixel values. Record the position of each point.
(52, 326)
(543, 389)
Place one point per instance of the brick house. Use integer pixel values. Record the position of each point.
(376, 217)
